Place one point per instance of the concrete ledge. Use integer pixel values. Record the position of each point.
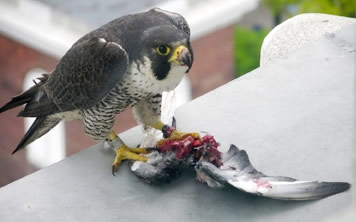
(294, 116)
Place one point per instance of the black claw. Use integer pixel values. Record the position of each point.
(149, 149)
(174, 122)
(113, 170)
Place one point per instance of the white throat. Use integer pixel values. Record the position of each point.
(145, 77)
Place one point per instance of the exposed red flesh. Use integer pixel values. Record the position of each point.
(206, 147)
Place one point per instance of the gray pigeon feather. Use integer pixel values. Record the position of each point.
(238, 172)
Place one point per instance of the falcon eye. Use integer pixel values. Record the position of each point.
(163, 50)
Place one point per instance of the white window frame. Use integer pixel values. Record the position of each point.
(50, 148)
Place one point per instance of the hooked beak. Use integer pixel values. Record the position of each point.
(182, 56)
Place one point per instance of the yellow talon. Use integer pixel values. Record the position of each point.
(176, 135)
(127, 153)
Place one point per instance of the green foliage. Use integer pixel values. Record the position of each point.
(334, 7)
(279, 7)
(248, 43)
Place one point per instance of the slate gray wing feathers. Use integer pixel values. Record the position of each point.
(88, 71)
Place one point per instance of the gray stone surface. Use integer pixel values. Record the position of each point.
(294, 117)
(299, 30)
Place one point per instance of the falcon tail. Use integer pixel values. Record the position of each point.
(38, 128)
(37, 104)
(36, 99)
(237, 171)
(26, 96)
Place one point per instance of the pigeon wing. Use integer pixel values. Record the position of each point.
(237, 171)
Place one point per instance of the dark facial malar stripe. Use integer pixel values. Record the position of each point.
(161, 70)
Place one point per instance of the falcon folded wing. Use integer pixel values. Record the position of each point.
(87, 73)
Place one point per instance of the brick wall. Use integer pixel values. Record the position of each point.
(15, 61)
(213, 64)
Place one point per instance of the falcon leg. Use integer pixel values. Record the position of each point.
(124, 152)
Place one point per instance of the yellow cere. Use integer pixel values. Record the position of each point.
(176, 52)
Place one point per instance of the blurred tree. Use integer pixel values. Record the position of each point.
(248, 43)
(334, 7)
(279, 8)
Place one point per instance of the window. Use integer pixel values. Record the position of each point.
(50, 148)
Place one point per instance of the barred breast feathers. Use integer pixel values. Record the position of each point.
(138, 86)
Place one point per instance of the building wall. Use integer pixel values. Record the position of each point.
(15, 61)
(213, 66)
(213, 61)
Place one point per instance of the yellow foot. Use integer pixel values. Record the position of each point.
(127, 153)
(176, 135)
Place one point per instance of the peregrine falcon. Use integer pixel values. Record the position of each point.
(127, 62)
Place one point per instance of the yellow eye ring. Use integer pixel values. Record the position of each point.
(163, 50)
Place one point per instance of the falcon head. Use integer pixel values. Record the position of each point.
(164, 53)
(169, 50)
